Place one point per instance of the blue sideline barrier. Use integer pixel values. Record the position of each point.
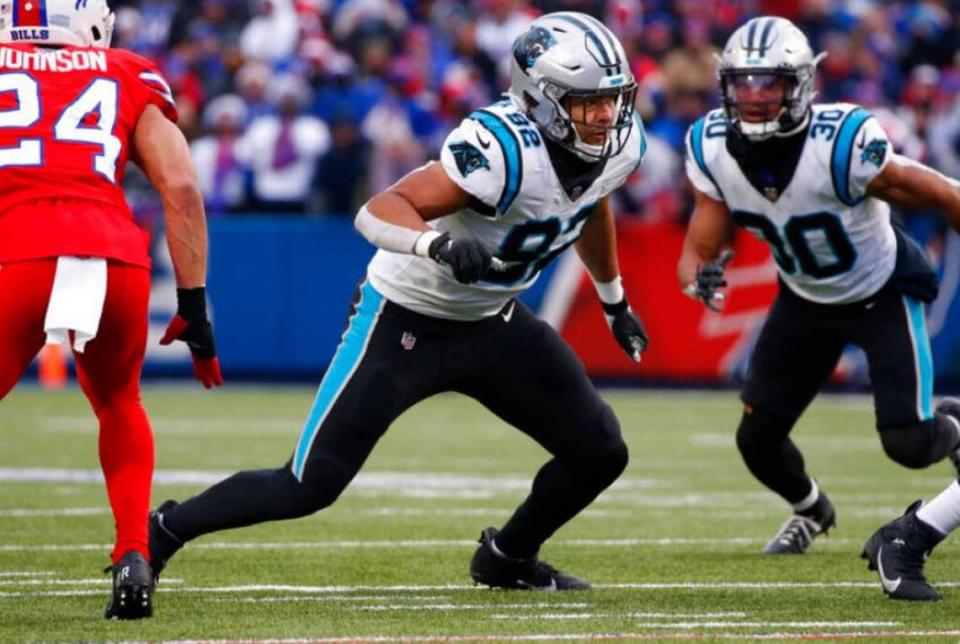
(280, 289)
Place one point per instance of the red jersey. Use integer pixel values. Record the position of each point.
(66, 118)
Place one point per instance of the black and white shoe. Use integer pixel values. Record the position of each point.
(798, 532)
(163, 543)
(492, 568)
(132, 596)
(951, 407)
(897, 552)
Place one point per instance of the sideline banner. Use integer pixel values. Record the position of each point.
(688, 342)
(280, 290)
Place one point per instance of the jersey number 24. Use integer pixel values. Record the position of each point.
(99, 98)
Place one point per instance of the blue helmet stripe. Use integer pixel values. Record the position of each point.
(842, 154)
(607, 37)
(512, 157)
(763, 37)
(750, 34)
(607, 63)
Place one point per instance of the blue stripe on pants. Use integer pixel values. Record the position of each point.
(922, 356)
(349, 354)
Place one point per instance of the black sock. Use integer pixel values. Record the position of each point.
(770, 455)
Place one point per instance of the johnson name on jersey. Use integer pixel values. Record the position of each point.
(68, 116)
(832, 243)
(519, 211)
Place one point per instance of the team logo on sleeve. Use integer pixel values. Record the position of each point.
(874, 152)
(468, 157)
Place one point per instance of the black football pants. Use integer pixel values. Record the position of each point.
(389, 359)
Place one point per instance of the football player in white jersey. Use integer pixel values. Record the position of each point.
(815, 183)
(517, 183)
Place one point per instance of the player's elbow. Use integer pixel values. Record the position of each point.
(182, 194)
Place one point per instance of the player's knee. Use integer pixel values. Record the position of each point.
(608, 456)
(601, 455)
(911, 446)
(615, 461)
(760, 432)
(323, 482)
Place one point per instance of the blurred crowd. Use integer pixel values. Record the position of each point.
(310, 106)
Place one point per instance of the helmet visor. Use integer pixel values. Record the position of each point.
(757, 97)
(601, 119)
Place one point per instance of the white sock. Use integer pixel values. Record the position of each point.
(943, 512)
(808, 501)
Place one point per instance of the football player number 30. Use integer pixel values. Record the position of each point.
(98, 99)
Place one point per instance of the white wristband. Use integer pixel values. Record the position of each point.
(383, 234)
(610, 292)
(422, 247)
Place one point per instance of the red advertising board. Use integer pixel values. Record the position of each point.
(687, 340)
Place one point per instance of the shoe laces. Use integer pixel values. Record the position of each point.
(798, 531)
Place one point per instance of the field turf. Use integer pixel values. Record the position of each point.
(672, 548)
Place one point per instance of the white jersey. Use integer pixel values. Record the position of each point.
(519, 211)
(832, 243)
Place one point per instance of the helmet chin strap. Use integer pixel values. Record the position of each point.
(761, 133)
(799, 126)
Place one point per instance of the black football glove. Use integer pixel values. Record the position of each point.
(710, 280)
(467, 258)
(191, 325)
(627, 328)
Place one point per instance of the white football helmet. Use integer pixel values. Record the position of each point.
(761, 52)
(568, 54)
(84, 23)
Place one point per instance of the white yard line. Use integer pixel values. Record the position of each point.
(331, 598)
(619, 637)
(26, 573)
(22, 513)
(367, 588)
(104, 581)
(406, 543)
(773, 510)
(387, 481)
(452, 606)
(575, 616)
(732, 625)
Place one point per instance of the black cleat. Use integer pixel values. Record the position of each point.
(897, 552)
(951, 407)
(493, 568)
(132, 588)
(163, 543)
(798, 532)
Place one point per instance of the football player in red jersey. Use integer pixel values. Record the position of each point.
(73, 265)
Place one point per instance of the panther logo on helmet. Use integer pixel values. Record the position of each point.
(531, 45)
(81, 23)
(567, 55)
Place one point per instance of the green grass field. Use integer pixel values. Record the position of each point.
(672, 547)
